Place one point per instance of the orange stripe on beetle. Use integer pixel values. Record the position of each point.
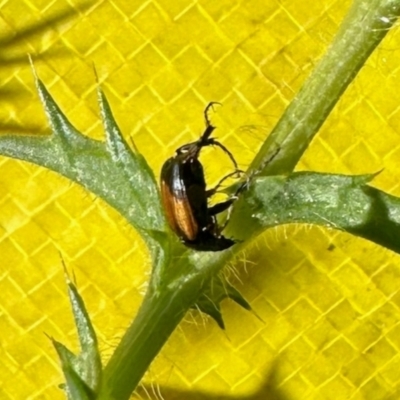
(179, 214)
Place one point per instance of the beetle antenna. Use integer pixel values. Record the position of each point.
(209, 127)
(207, 109)
(214, 142)
(253, 173)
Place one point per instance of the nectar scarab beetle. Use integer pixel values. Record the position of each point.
(185, 196)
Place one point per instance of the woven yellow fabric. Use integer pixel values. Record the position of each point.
(326, 321)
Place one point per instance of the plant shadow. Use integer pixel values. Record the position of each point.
(13, 56)
(268, 390)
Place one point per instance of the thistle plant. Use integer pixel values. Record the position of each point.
(182, 278)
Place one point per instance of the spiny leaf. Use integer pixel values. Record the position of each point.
(75, 386)
(211, 297)
(88, 363)
(110, 170)
(336, 201)
(83, 371)
(134, 166)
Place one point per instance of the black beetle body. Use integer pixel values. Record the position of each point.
(185, 196)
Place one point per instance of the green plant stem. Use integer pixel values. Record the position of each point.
(160, 313)
(157, 318)
(365, 25)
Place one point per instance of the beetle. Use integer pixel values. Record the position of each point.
(185, 196)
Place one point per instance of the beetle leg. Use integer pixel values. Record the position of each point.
(220, 207)
(222, 227)
(211, 192)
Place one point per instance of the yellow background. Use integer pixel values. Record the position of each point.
(328, 303)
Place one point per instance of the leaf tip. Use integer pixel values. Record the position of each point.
(66, 273)
(375, 174)
(32, 65)
(365, 179)
(95, 73)
(100, 94)
(34, 73)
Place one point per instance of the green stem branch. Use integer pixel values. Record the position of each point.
(365, 25)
